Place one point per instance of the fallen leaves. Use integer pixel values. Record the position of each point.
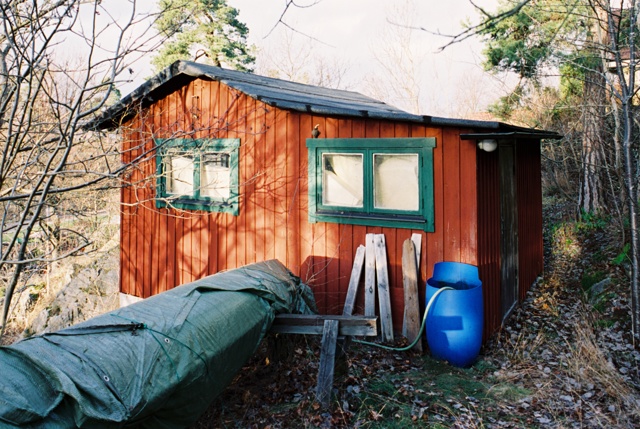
(558, 362)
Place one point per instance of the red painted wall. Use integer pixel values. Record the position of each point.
(162, 248)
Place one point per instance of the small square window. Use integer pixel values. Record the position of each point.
(198, 174)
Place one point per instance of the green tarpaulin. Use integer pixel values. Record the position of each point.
(154, 364)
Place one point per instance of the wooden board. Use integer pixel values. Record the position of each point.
(417, 244)
(327, 362)
(370, 277)
(452, 195)
(356, 273)
(312, 324)
(382, 273)
(411, 325)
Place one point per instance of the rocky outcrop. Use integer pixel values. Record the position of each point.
(80, 287)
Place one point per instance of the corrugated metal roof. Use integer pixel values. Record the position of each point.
(277, 93)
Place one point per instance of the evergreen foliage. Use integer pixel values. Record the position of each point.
(203, 28)
(544, 36)
(592, 46)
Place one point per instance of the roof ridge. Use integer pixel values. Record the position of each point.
(275, 92)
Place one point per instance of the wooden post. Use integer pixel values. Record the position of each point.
(411, 325)
(370, 277)
(382, 272)
(327, 362)
(356, 273)
(349, 303)
(330, 327)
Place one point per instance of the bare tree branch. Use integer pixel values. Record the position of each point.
(46, 94)
(281, 21)
(476, 29)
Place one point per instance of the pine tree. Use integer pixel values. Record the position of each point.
(594, 47)
(203, 28)
(538, 38)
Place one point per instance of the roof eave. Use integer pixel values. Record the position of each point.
(115, 115)
(509, 135)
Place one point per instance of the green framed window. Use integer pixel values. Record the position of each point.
(375, 182)
(198, 174)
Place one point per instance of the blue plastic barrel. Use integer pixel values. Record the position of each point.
(455, 320)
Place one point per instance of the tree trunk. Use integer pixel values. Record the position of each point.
(627, 91)
(591, 194)
(632, 201)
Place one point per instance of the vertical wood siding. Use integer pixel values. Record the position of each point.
(162, 248)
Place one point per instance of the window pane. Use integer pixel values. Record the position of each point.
(342, 181)
(396, 184)
(180, 173)
(215, 175)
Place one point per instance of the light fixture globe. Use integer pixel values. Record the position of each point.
(488, 145)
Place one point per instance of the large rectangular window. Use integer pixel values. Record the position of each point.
(198, 174)
(376, 182)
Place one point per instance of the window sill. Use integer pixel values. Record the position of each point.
(207, 206)
(378, 219)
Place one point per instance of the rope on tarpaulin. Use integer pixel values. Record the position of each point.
(167, 340)
(134, 327)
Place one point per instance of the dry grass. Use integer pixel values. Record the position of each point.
(590, 365)
(552, 351)
(519, 347)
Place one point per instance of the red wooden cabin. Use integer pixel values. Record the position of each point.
(225, 172)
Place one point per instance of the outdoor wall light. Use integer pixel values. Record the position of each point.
(488, 145)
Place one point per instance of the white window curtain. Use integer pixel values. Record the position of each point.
(342, 180)
(215, 176)
(396, 182)
(180, 174)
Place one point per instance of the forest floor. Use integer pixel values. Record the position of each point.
(564, 359)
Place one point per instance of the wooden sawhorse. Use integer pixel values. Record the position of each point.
(330, 327)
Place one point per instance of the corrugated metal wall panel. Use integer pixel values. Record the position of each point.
(489, 237)
(530, 249)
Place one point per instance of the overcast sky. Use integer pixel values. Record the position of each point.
(360, 38)
(352, 33)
